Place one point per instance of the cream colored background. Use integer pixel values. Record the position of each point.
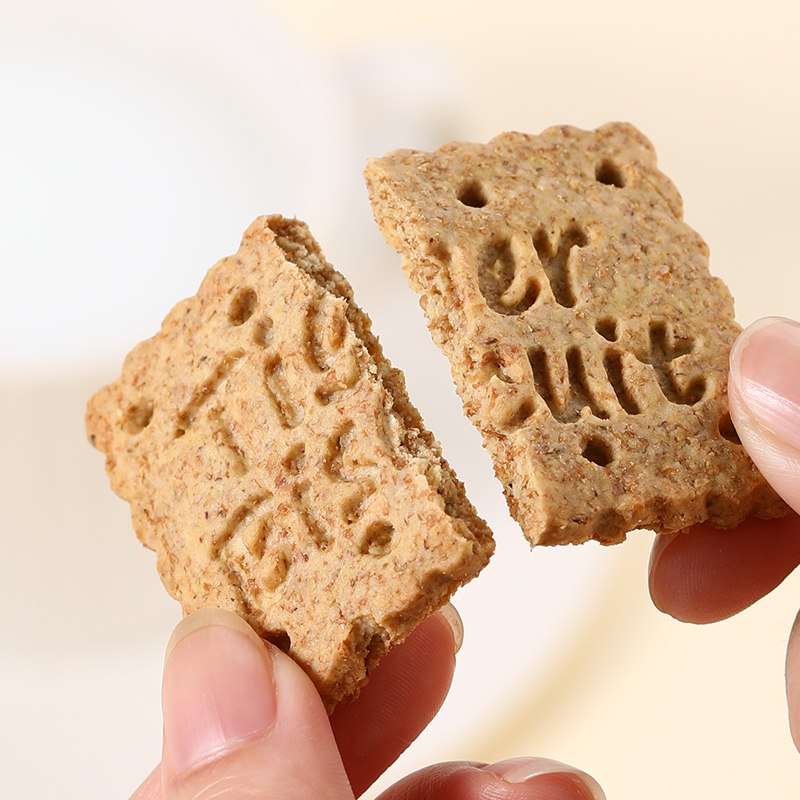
(652, 708)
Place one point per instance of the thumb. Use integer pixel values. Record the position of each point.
(241, 719)
(764, 395)
(764, 391)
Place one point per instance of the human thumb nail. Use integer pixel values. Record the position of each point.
(218, 689)
(764, 395)
(241, 719)
(556, 779)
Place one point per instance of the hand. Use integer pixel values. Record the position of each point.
(242, 720)
(709, 575)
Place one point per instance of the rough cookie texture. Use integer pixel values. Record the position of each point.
(273, 462)
(588, 341)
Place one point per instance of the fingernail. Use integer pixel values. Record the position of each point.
(218, 689)
(453, 619)
(765, 376)
(521, 770)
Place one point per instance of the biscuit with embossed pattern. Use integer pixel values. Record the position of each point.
(587, 338)
(274, 463)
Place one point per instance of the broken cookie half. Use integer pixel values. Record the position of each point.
(274, 463)
(588, 341)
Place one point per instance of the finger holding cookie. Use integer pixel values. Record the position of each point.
(708, 574)
(241, 719)
(403, 694)
(711, 574)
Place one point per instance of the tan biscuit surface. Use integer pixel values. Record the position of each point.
(588, 341)
(273, 461)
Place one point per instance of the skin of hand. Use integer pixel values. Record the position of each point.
(243, 721)
(705, 575)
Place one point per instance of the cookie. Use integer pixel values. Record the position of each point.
(274, 463)
(587, 338)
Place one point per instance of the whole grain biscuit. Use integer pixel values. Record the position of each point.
(588, 341)
(274, 463)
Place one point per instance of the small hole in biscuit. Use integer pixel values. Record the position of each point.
(274, 569)
(727, 430)
(694, 392)
(137, 417)
(598, 452)
(609, 173)
(280, 639)
(473, 195)
(607, 328)
(353, 507)
(521, 414)
(262, 332)
(497, 364)
(376, 647)
(242, 306)
(295, 459)
(378, 539)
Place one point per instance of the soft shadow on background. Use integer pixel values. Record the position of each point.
(139, 141)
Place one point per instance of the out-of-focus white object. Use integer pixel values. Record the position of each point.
(138, 141)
